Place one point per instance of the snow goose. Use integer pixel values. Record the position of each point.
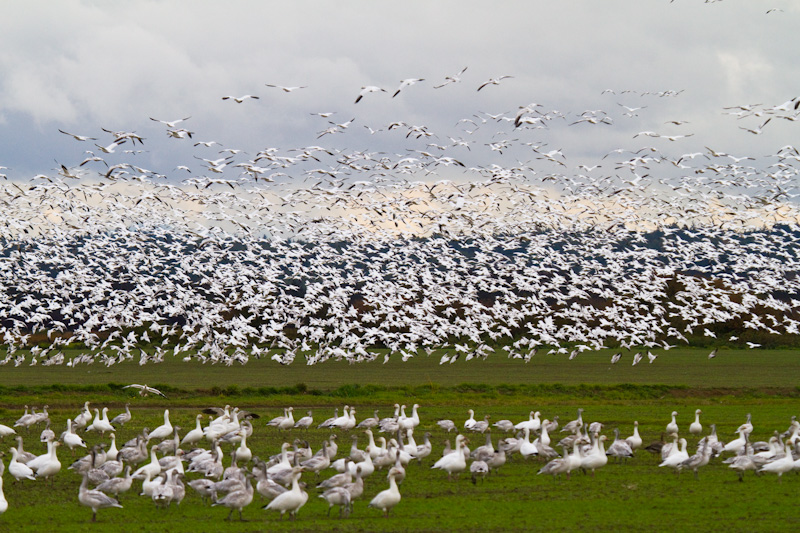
(288, 421)
(672, 427)
(83, 418)
(3, 501)
(327, 423)
(19, 470)
(677, 457)
(195, 435)
(447, 425)
(556, 466)
(504, 425)
(291, 500)
(620, 447)
(94, 499)
(387, 499)
(597, 457)
(319, 462)
(164, 430)
(71, 439)
(342, 421)
(453, 463)
(782, 465)
(747, 427)
(51, 466)
(533, 423)
(469, 422)
(481, 425)
(574, 425)
(696, 428)
(736, 444)
(527, 448)
(6, 431)
(243, 453)
(337, 496)
(238, 499)
(153, 467)
(369, 423)
(698, 460)
(635, 441)
(122, 418)
(305, 422)
(47, 433)
(477, 469)
(409, 422)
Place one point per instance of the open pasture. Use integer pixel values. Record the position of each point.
(635, 495)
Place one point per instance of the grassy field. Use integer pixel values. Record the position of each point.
(633, 496)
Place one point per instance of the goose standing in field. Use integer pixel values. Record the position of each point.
(556, 466)
(696, 428)
(781, 465)
(635, 441)
(447, 425)
(100, 424)
(291, 500)
(453, 463)
(597, 457)
(743, 463)
(195, 435)
(747, 427)
(620, 448)
(698, 460)
(736, 444)
(305, 422)
(504, 425)
(47, 433)
(19, 470)
(163, 431)
(676, 457)
(71, 439)
(337, 496)
(574, 425)
(94, 499)
(51, 465)
(527, 448)
(238, 499)
(327, 423)
(409, 422)
(672, 427)
(83, 418)
(288, 421)
(481, 425)
(122, 418)
(3, 501)
(469, 422)
(371, 422)
(387, 499)
(5, 431)
(533, 423)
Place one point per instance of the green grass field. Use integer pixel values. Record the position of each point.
(633, 496)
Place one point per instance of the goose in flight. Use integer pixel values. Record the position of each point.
(240, 99)
(286, 89)
(78, 137)
(451, 79)
(144, 390)
(408, 82)
(493, 81)
(172, 123)
(368, 89)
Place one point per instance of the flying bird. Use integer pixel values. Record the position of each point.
(144, 390)
(286, 89)
(455, 78)
(406, 83)
(240, 99)
(78, 137)
(494, 81)
(368, 89)
(170, 124)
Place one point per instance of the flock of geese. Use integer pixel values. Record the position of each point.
(161, 463)
(479, 237)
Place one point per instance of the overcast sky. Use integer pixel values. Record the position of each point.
(81, 66)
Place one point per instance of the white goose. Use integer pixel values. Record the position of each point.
(407, 422)
(453, 463)
(736, 444)
(527, 448)
(51, 465)
(3, 501)
(19, 470)
(101, 424)
(291, 500)
(195, 435)
(164, 430)
(72, 439)
(672, 427)
(696, 428)
(635, 440)
(469, 422)
(386, 499)
(533, 423)
(597, 457)
(782, 465)
(676, 456)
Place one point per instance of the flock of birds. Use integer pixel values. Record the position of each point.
(327, 252)
(163, 463)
